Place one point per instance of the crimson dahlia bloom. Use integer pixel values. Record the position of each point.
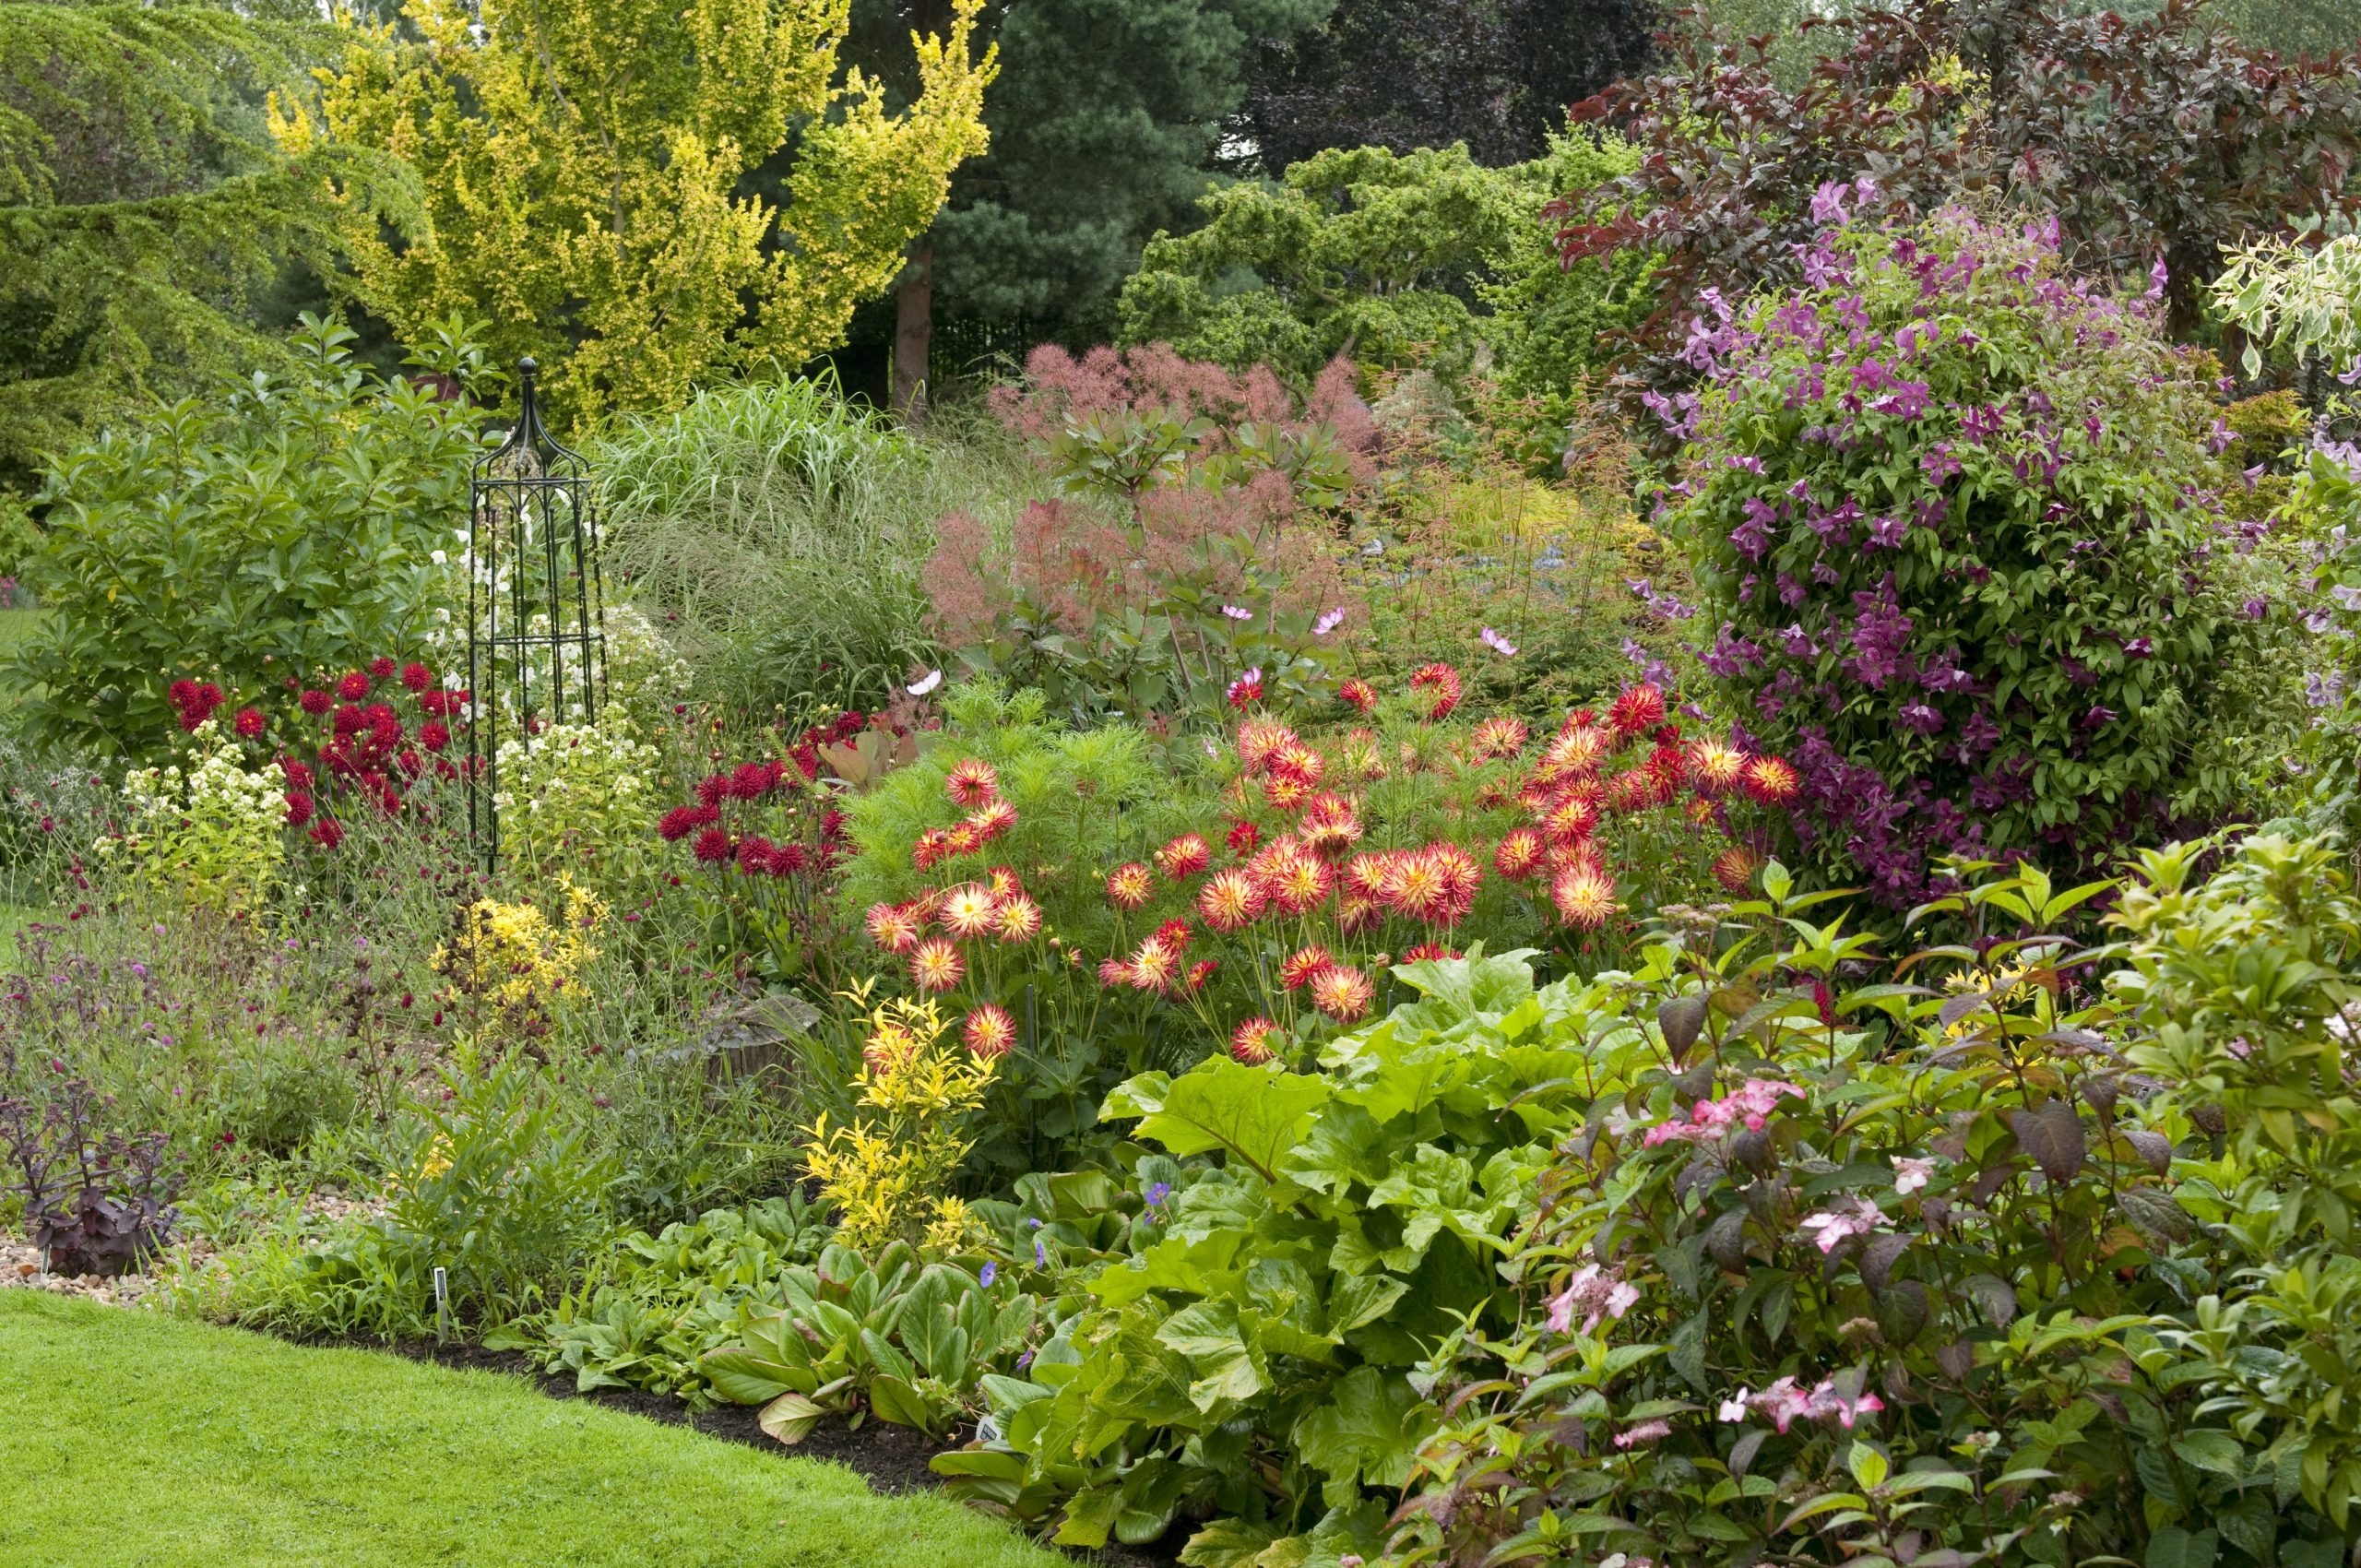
(353, 686)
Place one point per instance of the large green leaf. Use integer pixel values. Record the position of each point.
(1228, 1543)
(1254, 1114)
(1208, 1333)
(789, 1417)
(897, 1401)
(1370, 1426)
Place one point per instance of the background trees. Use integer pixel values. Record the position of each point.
(1106, 127)
(1403, 74)
(143, 209)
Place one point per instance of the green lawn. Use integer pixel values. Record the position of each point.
(138, 1439)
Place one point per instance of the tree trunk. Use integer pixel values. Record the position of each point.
(914, 334)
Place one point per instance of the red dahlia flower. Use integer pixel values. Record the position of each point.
(1285, 791)
(1129, 886)
(1155, 966)
(1254, 1042)
(353, 686)
(749, 781)
(381, 668)
(935, 964)
(1298, 883)
(712, 846)
(1299, 761)
(417, 677)
(1258, 739)
(1770, 780)
(1501, 737)
(1183, 856)
(1734, 867)
(1443, 681)
(1519, 854)
(1303, 965)
(971, 783)
(1637, 711)
(299, 808)
(893, 927)
(1715, 766)
(991, 820)
(1343, 994)
(328, 833)
(1585, 900)
(1356, 693)
(970, 911)
(1229, 899)
(1020, 919)
(991, 1032)
(248, 723)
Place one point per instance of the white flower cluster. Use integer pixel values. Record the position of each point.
(583, 785)
(214, 833)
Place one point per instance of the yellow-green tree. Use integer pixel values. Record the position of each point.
(595, 175)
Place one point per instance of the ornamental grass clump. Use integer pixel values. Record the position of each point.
(1945, 506)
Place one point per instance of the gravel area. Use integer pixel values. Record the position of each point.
(20, 1261)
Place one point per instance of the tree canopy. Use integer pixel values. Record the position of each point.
(590, 177)
(142, 205)
(1497, 74)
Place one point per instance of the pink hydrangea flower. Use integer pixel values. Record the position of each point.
(1749, 1105)
(1787, 1402)
(1645, 1431)
(1847, 1217)
(1597, 1292)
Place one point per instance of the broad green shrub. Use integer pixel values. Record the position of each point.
(289, 528)
(1248, 1357)
(1411, 261)
(1943, 506)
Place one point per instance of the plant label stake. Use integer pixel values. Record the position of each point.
(441, 1307)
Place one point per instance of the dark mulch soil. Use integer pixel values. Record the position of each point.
(890, 1459)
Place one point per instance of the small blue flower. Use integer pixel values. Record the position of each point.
(1040, 1254)
(1158, 1193)
(1033, 1224)
(991, 1270)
